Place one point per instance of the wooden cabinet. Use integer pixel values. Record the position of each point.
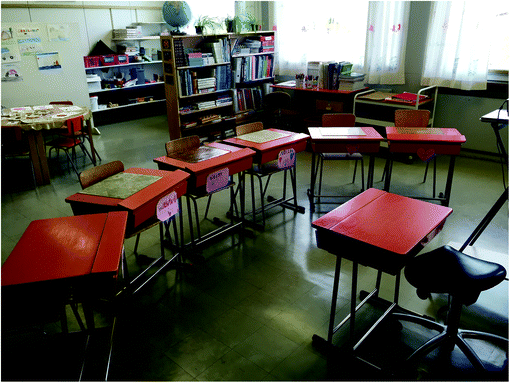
(212, 81)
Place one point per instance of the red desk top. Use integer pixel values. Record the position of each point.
(237, 160)
(387, 221)
(368, 143)
(268, 151)
(141, 205)
(449, 135)
(449, 142)
(67, 247)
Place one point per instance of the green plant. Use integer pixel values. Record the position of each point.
(207, 23)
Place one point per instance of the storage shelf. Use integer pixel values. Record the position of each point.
(138, 38)
(128, 87)
(205, 94)
(121, 65)
(203, 66)
(205, 109)
(129, 105)
(252, 54)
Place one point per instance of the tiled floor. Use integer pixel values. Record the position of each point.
(249, 312)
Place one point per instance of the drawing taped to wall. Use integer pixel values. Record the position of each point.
(50, 60)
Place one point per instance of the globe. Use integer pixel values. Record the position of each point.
(176, 14)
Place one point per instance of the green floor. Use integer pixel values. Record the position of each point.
(249, 311)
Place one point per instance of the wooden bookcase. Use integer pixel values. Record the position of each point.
(236, 76)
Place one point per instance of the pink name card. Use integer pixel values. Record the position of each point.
(217, 180)
(167, 207)
(286, 158)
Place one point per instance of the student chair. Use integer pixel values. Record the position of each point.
(15, 146)
(82, 133)
(448, 271)
(69, 142)
(279, 114)
(339, 120)
(183, 145)
(413, 118)
(262, 171)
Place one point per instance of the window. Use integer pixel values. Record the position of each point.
(499, 56)
(322, 31)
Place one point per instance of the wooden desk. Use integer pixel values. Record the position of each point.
(78, 256)
(236, 160)
(379, 230)
(269, 150)
(350, 142)
(141, 206)
(304, 97)
(425, 142)
(33, 120)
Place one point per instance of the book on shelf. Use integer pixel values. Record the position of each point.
(247, 98)
(180, 57)
(220, 50)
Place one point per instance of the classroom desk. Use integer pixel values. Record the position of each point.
(77, 256)
(208, 160)
(426, 143)
(141, 205)
(268, 149)
(33, 120)
(379, 230)
(348, 140)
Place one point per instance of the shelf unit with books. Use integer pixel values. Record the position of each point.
(202, 94)
(198, 84)
(252, 67)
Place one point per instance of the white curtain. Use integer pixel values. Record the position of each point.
(457, 47)
(319, 31)
(388, 23)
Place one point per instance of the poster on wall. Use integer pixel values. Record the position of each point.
(58, 32)
(48, 61)
(11, 72)
(10, 49)
(29, 40)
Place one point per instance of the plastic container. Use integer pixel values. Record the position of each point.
(94, 82)
(94, 105)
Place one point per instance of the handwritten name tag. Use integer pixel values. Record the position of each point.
(286, 158)
(167, 207)
(216, 181)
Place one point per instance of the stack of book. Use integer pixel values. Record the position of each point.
(224, 101)
(206, 105)
(267, 43)
(351, 81)
(206, 85)
(195, 59)
(337, 76)
(127, 33)
(189, 124)
(210, 119)
(254, 45)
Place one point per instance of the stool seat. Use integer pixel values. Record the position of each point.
(446, 270)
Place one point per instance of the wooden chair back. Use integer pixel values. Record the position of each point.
(61, 103)
(338, 119)
(249, 128)
(277, 100)
(98, 173)
(412, 118)
(183, 144)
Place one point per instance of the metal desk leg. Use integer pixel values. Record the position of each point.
(449, 182)
(370, 176)
(313, 177)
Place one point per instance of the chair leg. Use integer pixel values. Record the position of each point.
(362, 174)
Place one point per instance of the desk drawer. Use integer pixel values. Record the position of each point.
(328, 106)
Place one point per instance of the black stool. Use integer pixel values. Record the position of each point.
(446, 270)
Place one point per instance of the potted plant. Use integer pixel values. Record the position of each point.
(203, 23)
(229, 24)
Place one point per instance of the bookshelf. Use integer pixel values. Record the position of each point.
(213, 81)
